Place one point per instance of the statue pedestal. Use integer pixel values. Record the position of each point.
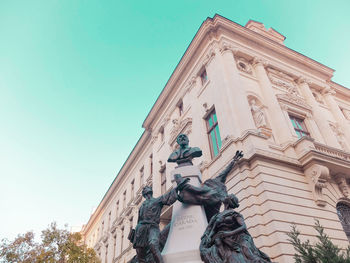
(188, 224)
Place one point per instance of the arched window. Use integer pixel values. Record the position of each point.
(343, 211)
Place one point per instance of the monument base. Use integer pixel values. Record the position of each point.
(188, 224)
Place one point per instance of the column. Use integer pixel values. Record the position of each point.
(236, 93)
(328, 95)
(277, 120)
(318, 115)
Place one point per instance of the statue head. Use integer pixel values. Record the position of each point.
(231, 201)
(147, 189)
(182, 140)
(252, 102)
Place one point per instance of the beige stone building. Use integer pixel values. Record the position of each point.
(241, 88)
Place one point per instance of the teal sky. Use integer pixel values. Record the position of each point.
(77, 79)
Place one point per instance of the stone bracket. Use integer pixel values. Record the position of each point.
(317, 176)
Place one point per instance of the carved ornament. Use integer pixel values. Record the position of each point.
(210, 54)
(180, 126)
(293, 99)
(243, 65)
(318, 176)
(342, 184)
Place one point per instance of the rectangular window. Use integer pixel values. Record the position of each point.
(180, 107)
(204, 77)
(106, 254)
(213, 133)
(299, 126)
(117, 209)
(163, 179)
(124, 199)
(122, 242)
(141, 176)
(132, 188)
(151, 164)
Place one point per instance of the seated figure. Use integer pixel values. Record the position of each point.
(227, 240)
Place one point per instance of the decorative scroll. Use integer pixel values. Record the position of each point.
(318, 175)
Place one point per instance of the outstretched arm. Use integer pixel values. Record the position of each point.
(222, 176)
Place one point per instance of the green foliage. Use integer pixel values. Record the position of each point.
(324, 251)
(57, 246)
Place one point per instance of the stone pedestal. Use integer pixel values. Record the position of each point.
(188, 224)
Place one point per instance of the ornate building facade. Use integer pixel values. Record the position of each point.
(241, 88)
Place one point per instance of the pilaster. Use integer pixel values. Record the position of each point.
(328, 95)
(227, 117)
(277, 120)
(318, 115)
(236, 91)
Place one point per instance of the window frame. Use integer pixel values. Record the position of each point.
(299, 121)
(211, 128)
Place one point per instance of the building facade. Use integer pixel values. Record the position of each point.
(241, 88)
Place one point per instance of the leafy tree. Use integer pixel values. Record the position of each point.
(56, 246)
(324, 251)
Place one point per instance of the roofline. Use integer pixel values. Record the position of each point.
(108, 195)
(212, 24)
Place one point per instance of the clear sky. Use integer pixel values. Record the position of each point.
(77, 79)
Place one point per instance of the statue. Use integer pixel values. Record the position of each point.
(258, 114)
(226, 239)
(211, 193)
(184, 155)
(146, 236)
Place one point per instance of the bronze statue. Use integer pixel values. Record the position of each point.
(211, 193)
(226, 239)
(147, 233)
(184, 155)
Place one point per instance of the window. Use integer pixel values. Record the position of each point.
(141, 176)
(161, 134)
(204, 77)
(299, 126)
(124, 199)
(132, 188)
(213, 133)
(163, 179)
(131, 223)
(343, 212)
(106, 254)
(180, 107)
(122, 242)
(114, 245)
(151, 164)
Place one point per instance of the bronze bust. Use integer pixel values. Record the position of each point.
(184, 155)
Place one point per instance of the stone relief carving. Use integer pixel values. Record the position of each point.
(257, 113)
(210, 54)
(318, 175)
(342, 184)
(282, 80)
(340, 135)
(243, 65)
(296, 100)
(184, 126)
